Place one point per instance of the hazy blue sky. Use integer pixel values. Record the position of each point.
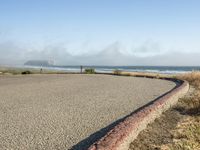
(77, 31)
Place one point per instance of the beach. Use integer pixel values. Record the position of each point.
(61, 111)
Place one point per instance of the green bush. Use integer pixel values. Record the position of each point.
(90, 71)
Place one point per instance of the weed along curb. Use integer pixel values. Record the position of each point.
(125, 132)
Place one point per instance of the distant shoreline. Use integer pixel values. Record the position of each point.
(109, 69)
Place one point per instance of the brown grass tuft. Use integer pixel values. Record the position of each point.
(193, 78)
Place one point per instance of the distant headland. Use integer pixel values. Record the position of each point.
(44, 63)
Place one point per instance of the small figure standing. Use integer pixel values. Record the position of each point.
(41, 70)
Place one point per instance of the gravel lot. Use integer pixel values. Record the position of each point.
(58, 111)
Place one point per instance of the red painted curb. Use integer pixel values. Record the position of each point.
(125, 132)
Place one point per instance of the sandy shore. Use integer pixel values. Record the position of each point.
(59, 111)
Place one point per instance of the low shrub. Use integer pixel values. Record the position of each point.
(157, 76)
(26, 72)
(193, 78)
(117, 72)
(90, 71)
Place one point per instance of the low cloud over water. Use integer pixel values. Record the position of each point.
(113, 54)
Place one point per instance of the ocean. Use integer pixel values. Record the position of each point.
(108, 69)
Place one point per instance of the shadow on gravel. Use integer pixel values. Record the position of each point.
(86, 143)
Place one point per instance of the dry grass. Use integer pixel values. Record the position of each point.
(192, 104)
(186, 135)
(146, 74)
(193, 78)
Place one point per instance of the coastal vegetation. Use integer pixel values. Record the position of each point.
(186, 135)
(90, 71)
(117, 72)
(26, 72)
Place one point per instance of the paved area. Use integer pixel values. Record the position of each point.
(59, 111)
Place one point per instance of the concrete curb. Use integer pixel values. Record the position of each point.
(125, 132)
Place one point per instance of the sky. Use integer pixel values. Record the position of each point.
(100, 32)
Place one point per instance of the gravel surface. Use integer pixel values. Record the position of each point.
(58, 111)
